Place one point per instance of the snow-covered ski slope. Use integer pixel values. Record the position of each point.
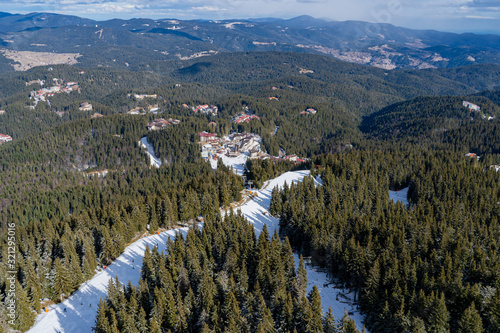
(81, 307)
(153, 160)
(257, 212)
(80, 316)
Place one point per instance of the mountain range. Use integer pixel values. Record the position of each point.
(138, 43)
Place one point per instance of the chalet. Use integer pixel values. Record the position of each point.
(5, 138)
(206, 109)
(472, 155)
(2, 111)
(292, 157)
(308, 111)
(212, 123)
(96, 115)
(161, 123)
(244, 118)
(204, 136)
(471, 106)
(273, 98)
(274, 88)
(495, 167)
(85, 106)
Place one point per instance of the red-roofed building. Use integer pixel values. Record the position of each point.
(204, 136)
(5, 138)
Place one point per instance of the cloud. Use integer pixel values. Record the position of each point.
(208, 9)
(477, 17)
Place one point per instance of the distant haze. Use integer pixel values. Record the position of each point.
(480, 16)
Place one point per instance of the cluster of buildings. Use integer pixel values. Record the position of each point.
(236, 144)
(5, 138)
(204, 108)
(161, 123)
(308, 111)
(231, 145)
(243, 117)
(42, 94)
(142, 96)
(476, 108)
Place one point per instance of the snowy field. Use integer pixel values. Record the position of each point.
(153, 160)
(81, 307)
(401, 195)
(237, 163)
(338, 299)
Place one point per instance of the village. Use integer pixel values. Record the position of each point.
(237, 146)
(59, 87)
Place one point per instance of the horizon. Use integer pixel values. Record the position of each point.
(255, 19)
(458, 16)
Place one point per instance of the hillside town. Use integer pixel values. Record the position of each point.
(237, 145)
(59, 87)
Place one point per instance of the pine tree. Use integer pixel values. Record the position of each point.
(102, 322)
(317, 311)
(302, 278)
(470, 322)
(329, 325)
(25, 317)
(439, 316)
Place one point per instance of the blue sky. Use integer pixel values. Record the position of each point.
(446, 15)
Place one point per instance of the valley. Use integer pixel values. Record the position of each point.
(251, 138)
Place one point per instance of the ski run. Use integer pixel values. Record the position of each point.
(78, 312)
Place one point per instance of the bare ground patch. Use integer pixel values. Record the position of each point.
(29, 59)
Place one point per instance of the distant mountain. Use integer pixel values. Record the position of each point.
(428, 116)
(127, 42)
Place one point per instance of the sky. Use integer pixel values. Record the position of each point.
(447, 15)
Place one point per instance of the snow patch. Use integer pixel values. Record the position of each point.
(401, 195)
(153, 160)
(81, 307)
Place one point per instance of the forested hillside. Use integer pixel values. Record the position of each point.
(431, 266)
(79, 189)
(219, 279)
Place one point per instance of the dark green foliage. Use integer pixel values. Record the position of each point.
(409, 265)
(219, 279)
